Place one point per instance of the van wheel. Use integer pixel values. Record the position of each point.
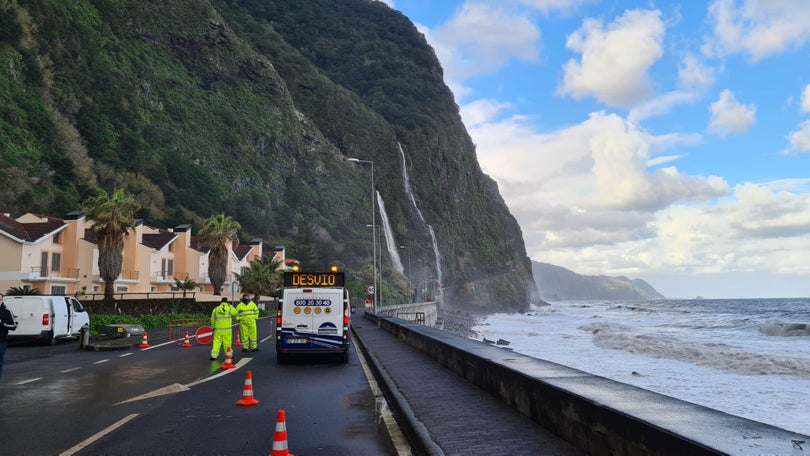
(344, 358)
(49, 339)
(282, 358)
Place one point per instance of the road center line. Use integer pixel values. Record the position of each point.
(159, 345)
(102, 361)
(30, 380)
(69, 370)
(98, 435)
(125, 354)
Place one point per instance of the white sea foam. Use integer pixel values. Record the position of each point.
(779, 328)
(719, 353)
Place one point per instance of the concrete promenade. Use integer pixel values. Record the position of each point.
(445, 413)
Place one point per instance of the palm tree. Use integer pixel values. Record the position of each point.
(217, 230)
(260, 277)
(21, 291)
(185, 285)
(113, 217)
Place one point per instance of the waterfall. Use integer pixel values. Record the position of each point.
(407, 184)
(393, 250)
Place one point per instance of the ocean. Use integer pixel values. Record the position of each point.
(745, 357)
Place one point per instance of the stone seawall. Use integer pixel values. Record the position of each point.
(598, 415)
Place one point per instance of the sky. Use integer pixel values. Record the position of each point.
(662, 140)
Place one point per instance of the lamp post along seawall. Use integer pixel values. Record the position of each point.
(373, 233)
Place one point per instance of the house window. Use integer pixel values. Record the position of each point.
(57, 238)
(56, 263)
(121, 289)
(43, 264)
(58, 290)
(166, 268)
(95, 288)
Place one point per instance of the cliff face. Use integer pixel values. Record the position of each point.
(251, 108)
(559, 284)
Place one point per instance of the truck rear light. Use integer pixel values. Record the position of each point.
(46, 319)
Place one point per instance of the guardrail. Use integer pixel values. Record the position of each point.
(138, 295)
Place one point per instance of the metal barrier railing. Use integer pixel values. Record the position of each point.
(416, 317)
(178, 328)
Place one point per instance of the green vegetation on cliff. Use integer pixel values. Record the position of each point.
(249, 108)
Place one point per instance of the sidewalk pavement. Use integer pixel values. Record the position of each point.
(442, 412)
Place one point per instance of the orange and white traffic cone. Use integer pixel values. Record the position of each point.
(238, 342)
(280, 437)
(228, 360)
(144, 341)
(187, 343)
(247, 392)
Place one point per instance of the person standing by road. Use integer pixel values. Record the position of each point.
(6, 324)
(221, 321)
(247, 312)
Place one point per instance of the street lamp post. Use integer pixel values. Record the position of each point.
(410, 271)
(373, 232)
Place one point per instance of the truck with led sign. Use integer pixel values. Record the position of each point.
(313, 315)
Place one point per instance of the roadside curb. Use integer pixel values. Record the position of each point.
(416, 431)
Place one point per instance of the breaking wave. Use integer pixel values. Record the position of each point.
(715, 355)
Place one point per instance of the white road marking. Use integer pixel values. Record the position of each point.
(239, 364)
(69, 370)
(102, 361)
(159, 345)
(98, 435)
(171, 389)
(30, 380)
(178, 388)
(125, 354)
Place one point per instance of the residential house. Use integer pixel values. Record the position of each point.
(33, 254)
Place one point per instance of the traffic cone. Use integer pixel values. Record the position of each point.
(144, 341)
(187, 343)
(228, 360)
(247, 392)
(280, 437)
(238, 342)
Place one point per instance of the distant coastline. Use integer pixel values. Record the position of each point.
(555, 283)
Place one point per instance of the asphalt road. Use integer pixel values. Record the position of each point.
(172, 400)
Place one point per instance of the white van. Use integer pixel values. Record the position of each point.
(313, 316)
(46, 318)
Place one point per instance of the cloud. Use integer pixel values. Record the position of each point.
(800, 139)
(693, 73)
(757, 28)
(730, 116)
(805, 106)
(585, 184)
(554, 5)
(480, 39)
(615, 58)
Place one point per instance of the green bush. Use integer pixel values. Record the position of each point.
(147, 321)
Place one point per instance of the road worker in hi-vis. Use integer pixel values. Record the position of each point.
(247, 312)
(221, 321)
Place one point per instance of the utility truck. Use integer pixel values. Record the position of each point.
(313, 316)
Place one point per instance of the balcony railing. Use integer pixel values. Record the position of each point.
(170, 277)
(129, 275)
(54, 273)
